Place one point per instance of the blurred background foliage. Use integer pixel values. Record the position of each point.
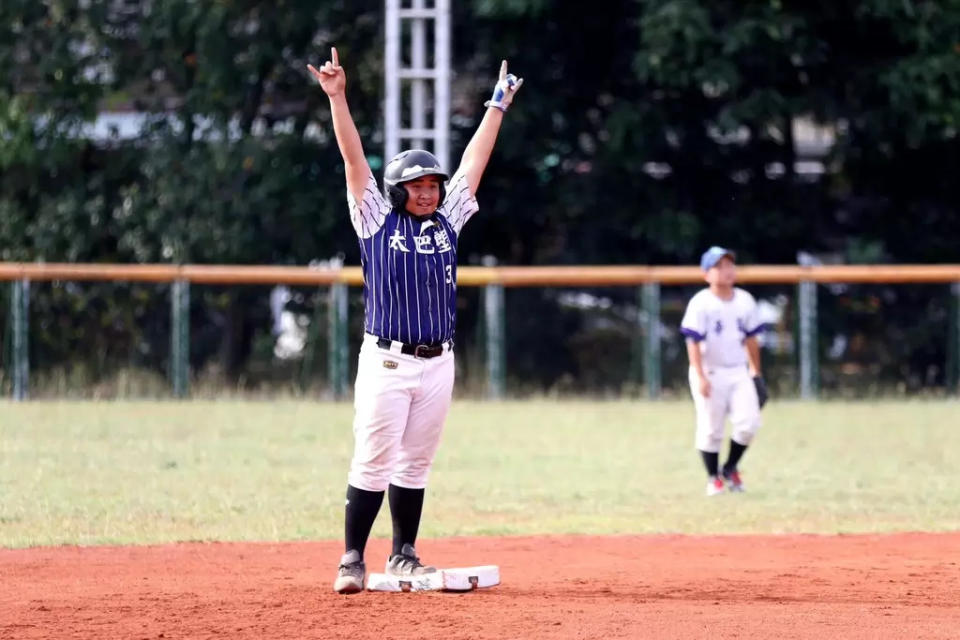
(646, 131)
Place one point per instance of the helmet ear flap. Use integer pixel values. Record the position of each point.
(397, 195)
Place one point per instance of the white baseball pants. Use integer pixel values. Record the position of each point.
(732, 393)
(401, 403)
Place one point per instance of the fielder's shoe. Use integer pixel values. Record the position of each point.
(734, 483)
(351, 573)
(407, 563)
(715, 486)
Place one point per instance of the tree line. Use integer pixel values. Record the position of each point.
(648, 130)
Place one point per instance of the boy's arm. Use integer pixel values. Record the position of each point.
(696, 362)
(333, 80)
(753, 327)
(752, 345)
(753, 356)
(477, 154)
(355, 165)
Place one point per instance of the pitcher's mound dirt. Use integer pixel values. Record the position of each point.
(875, 586)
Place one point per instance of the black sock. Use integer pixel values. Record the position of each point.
(736, 452)
(361, 511)
(406, 506)
(711, 460)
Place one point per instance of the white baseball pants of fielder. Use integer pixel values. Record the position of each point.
(732, 393)
(401, 403)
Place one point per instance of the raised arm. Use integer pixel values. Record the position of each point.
(333, 80)
(477, 154)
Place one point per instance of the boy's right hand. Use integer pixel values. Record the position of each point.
(704, 386)
(330, 75)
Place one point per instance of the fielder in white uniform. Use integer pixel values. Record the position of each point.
(408, 251)
(721, 326)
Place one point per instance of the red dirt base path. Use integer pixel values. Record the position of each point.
(877, 586)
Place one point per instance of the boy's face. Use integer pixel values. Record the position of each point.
(722, 274)
(423, 195)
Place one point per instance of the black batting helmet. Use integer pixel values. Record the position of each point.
(410, 165)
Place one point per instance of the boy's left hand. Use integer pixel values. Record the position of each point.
(505, 89)
(762, 395)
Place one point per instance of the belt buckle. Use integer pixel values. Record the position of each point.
(416, 351)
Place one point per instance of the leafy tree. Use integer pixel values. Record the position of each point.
(646, 131)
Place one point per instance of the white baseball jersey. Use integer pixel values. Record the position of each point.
(721, 326)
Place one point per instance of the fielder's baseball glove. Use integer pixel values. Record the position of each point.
(761, 386)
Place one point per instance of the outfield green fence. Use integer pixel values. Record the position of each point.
(630, 307)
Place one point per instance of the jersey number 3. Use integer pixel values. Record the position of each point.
(449, 270)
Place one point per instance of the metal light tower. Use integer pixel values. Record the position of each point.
(407, 27)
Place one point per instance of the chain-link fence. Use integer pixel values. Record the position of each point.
(116, 339)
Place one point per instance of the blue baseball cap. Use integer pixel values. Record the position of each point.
(712, 256)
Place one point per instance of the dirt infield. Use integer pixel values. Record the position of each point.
(883, 586)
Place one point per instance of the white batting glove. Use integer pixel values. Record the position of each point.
(506, 87)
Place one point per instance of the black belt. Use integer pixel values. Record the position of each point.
(416, 350)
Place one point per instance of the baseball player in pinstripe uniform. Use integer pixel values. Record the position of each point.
(408, 248)
(721, 326)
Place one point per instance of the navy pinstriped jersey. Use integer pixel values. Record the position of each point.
(410, 264)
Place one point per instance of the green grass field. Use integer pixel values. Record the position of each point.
(145, 472)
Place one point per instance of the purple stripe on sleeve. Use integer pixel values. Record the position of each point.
(693, 335)
(760, 328)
